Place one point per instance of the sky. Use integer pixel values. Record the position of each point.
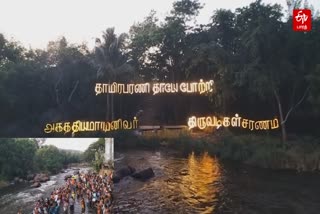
(35, 22)
(80, 144)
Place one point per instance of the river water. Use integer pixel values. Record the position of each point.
(22, 196)
(203, 184)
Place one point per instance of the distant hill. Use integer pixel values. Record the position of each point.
(71, 151)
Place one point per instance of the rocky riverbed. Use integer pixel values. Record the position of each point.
(22, 195)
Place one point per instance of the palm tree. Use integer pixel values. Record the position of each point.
(113, 63)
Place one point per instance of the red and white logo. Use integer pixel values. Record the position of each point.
(301, 20)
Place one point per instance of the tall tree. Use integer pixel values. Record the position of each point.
(271, 67)
(113, 63)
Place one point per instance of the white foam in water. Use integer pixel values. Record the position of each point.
(45, 185)
(6, 198)
(26, 197)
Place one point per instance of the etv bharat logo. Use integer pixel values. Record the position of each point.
(301, 20)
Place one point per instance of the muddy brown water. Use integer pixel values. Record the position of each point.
(203, 184)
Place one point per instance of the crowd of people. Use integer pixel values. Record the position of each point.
(89, 190)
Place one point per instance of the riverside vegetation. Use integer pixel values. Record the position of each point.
(20, 158)
(266, 151)
(261, 68)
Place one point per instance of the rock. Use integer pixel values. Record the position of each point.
(20, 180)
(30, 177)
(116, 179)
(35, 185)
(125, 171)
(45, 179)
(31, 182)
(41, 177)
(144, 174)
(16, 179)
(76, 172)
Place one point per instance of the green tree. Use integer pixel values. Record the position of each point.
(49, 158)
(271, 65)
(94, 153)
(112, 62)
(16, 157)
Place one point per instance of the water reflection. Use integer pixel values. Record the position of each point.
(202, 184)
(182, 184)
(196, 184)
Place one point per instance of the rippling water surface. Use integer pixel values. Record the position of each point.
(22, 196)
(202, 184)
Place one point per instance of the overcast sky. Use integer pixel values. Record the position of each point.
(35, 22)
(80, 144)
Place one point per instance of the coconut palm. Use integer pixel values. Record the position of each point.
(113, 63)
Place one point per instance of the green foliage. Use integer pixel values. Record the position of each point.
(94, 154)
(252, 54)
(89, 154)
(314, 97)
(49, 158)
(16, 157)
(270, 152)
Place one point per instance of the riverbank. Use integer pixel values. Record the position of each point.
(4, 184)
(34, 179)
(300, 154)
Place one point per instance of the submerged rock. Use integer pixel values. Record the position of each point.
(144, 174)
(35, 185)
(123, 172)
(116, 179)
(30, 177)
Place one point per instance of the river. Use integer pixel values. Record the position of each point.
(203, 184)
(13, 198)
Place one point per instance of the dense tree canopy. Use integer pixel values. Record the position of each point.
(261, 68)
(18, 157)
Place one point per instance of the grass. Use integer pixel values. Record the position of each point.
(269, 152)
(301, 154)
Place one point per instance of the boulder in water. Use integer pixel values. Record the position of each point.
(30, 177)
(125, 171)
(116, 179)
(144, 174)
(41, 177)
(35, 185)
